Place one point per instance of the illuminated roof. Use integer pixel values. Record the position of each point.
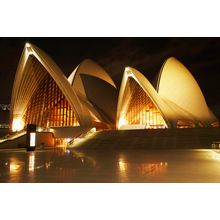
(177, 101)
(146, 86)
(29, 76)
(178, 96)
(177, 84)
(78, 78)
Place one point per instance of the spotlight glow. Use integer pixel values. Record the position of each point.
(17, 124)
(122, 121)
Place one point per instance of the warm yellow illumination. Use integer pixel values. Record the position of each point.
(139, 111)
(215, 156)
(31, 161)
(122, 121)
(14, 167)
(17, 124)
(93, 130)
(122, 166)
(32, 139)
(59, 114)
(39, 129)
(27, 45)
(153, 169)
(178, 85)
(66, 141)
(176, 98)
(48, 164)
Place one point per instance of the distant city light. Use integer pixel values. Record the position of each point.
(5, 107)
(4, 125)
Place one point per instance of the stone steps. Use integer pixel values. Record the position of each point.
(152, 139)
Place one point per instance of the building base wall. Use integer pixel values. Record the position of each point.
(43, 139)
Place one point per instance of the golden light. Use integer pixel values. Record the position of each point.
(215, 156)
(17, 124)
(93, 130)
(66, 142)
(122, 121)
(31, 161)
(139, 111)
(29, 49)
(153, 169)
(48, 164)
(14, 167)
(39, 129)
(123, 169)
(122, 165)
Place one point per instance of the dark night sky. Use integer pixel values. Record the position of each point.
(199, 55)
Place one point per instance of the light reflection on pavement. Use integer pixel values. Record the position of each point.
(64, 165)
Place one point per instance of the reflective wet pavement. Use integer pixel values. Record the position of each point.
(61, 165)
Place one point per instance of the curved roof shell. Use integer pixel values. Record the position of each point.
(177, 84)
(85, 79)
(146, 86)
(28, 78)
(178, 96)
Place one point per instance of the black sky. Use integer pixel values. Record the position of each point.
(199, 55)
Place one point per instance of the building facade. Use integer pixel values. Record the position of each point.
(88, 98)
(44, 96)
(176, 102)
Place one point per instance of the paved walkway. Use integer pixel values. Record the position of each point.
(61, 165)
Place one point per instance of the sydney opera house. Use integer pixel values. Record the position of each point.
(88, 98)
(176, 102)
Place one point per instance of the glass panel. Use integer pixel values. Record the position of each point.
(46, 106)
(139, 109)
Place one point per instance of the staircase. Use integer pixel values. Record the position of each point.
(14, 140)
(151, 139)
(82, 137)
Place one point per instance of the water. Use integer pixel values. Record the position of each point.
(61, 165)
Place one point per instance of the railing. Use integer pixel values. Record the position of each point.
(81, 137)
(12, 136)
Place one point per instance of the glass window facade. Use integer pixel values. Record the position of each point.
(48, 106)
(140, 110)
